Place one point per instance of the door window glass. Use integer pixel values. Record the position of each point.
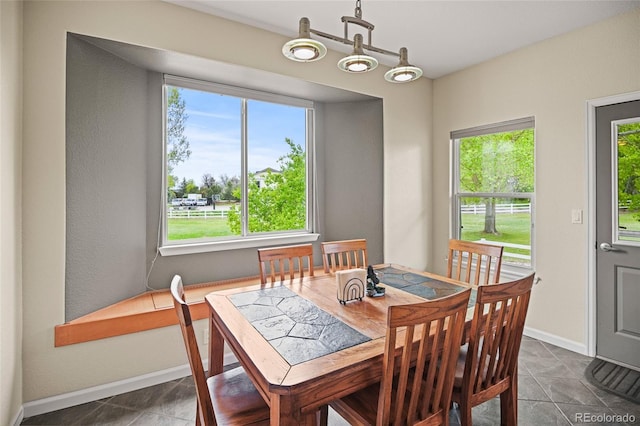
(626, 191)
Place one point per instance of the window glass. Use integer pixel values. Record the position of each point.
(627, 213)
(494, 188)
(277, 196)
(235, 166)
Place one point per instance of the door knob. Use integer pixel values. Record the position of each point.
(608, 247)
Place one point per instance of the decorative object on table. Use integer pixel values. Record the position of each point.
(373, 289)
(350, 283)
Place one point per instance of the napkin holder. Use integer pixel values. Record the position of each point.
(351, 284)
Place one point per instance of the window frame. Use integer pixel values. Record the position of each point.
(245, 240)
(455, 205)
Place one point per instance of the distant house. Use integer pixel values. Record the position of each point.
(261, 175)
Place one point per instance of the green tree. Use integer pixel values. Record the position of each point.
(230, 188)
(210, 187)
(278, 201)
(187, 187)
(497, 163)
(629, 167)
(178, 147)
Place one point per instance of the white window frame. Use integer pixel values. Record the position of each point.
(246, 240)
(508, 270)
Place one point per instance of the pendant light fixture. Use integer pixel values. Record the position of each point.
(357, 61)
(305, 49)
(404, 71)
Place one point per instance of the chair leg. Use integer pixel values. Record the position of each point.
(197, 413)
(509, 405)
(323, 415)
(465, 413)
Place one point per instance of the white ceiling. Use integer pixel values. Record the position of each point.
(442, 36)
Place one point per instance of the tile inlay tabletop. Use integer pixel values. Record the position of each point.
(303, 349)
(295, 327)
(414, 283)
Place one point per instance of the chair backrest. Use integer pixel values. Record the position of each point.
(422, 390)
(494, 340)
(346, 254)
(278, 261)
(475, 262)
(205, 406)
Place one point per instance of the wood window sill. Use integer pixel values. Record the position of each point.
(153, 309)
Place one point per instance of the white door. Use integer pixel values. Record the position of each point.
(618, 233)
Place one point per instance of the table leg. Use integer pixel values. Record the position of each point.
(284, 414)
(216, 349)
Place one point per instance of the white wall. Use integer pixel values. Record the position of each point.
(552, 81)
(10, 210)
(51, 371)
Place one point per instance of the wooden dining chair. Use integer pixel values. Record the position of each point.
(229, 398)
(416, 391)
(487, 366)
(345, 254)
(278, 262)
(476, 263)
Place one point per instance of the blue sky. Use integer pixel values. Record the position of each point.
(213, 131)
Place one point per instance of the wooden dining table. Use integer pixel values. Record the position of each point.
(301, 347)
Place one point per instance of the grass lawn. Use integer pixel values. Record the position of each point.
(182, 229)
(629, 221)
(512, 229)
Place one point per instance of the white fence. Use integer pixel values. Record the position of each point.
(506, 246)
(196, 214)
(500, 208)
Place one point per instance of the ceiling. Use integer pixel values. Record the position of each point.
(442, 36)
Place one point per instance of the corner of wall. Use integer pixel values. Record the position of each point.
(11, 380)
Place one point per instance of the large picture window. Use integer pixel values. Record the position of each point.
(237, 164)
(493, 187)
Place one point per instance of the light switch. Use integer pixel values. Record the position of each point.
(576, 216)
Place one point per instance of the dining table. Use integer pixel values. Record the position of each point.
(301, 347)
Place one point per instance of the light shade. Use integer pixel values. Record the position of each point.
(358, 61)
(303, 48)
(403, 72)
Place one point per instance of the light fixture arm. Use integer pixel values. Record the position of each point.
(356, 20)
(345, 40)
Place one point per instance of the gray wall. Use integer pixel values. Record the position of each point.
(353, 174)
(106, 126)
(114, 175)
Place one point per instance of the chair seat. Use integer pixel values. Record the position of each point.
(236, 401)
(462, 359)
(361, 408)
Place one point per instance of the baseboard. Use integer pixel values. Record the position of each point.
(567, 344)
(58, 402)
(18, 417)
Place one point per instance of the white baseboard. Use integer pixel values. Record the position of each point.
(567, 344)
(18, 418)
(58, 402)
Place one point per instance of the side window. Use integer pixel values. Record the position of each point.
(236, 163)
(493, 187)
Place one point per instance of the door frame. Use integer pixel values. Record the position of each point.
(590, 313)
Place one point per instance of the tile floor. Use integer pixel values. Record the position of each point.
(552, 391)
